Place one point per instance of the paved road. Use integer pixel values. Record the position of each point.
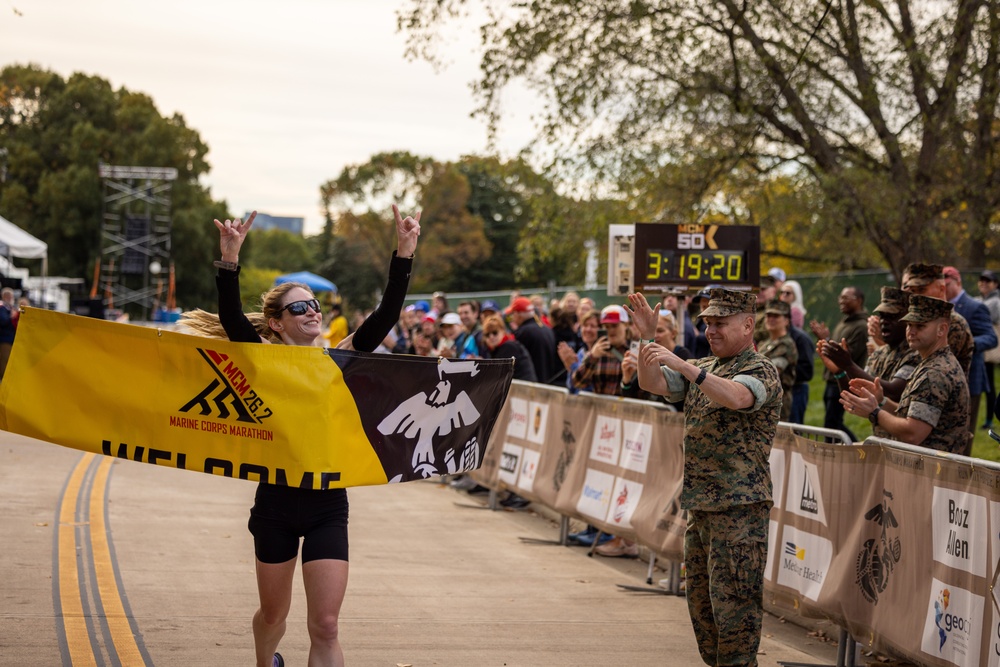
(110, 562)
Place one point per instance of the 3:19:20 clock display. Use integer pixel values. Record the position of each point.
(722, 266)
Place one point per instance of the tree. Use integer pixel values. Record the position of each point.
(487, 224)
(57, 132)
(453, 238)
(498, 195)
(358, 236)
(357, 202)
(278, 249)
(349, 266)
(889, 111)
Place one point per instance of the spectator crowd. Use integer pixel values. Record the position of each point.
(917, 366)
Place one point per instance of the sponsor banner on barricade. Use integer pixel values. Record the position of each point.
(614, 463)
(810, 497)
(286, 415)
(577, 416)
(897, 545)
(659, 520)
(535, 445)
(561, 449)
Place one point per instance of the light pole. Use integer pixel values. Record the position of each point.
(154, 269)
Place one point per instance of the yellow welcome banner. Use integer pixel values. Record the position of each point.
(295, 416)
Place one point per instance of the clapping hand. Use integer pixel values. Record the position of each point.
(566, 354)
(630, 366)
(838, 353)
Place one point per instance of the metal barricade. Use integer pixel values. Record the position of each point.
(847, 648)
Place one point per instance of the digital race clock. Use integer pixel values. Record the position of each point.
(696, 256)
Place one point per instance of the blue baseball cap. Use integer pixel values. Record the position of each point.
(422, 306)
(490, 304)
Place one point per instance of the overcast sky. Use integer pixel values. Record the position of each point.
(285, 94)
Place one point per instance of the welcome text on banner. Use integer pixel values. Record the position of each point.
(296, 416)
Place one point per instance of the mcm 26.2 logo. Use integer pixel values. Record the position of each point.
(228, 394)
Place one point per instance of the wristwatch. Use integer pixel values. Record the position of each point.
(873, 417)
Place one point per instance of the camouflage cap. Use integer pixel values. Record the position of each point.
(894, 301)
(726, 302)
(778, 307)
(919, 275)
(927, 309)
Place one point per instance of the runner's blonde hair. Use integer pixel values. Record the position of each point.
(207, 324)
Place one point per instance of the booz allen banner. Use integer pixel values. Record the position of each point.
(900, 548)
(295, 416)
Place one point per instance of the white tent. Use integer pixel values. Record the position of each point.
(15, 242)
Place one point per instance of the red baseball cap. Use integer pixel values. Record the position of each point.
(521, 304)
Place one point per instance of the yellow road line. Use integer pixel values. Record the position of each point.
(74, 622)
(114, 611)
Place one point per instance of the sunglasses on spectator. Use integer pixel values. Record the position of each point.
(787, 291)
(491, 333)
(298, 308)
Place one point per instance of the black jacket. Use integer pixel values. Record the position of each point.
(541, 345)
(524, 368)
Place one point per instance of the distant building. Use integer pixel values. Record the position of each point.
(264, 221)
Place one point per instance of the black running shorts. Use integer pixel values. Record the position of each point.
(282, 514)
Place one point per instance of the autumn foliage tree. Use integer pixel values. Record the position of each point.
(486, 224)
(884, 114)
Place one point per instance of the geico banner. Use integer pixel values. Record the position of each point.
(279, 414)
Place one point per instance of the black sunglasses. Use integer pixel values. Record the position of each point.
(297, 308)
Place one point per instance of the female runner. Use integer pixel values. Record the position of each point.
(281, 514)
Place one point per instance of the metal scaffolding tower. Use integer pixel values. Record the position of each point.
(135, 234)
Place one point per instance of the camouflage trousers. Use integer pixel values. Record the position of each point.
(725, 553)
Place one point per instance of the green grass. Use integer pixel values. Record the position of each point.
(983, 447)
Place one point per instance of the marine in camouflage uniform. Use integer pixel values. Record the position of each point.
(727, 478)
(928, 280)
(781, 350)
(893, 360)
(937, 394)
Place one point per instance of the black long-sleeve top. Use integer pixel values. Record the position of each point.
(369, 335)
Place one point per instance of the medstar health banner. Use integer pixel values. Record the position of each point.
(296, 416)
